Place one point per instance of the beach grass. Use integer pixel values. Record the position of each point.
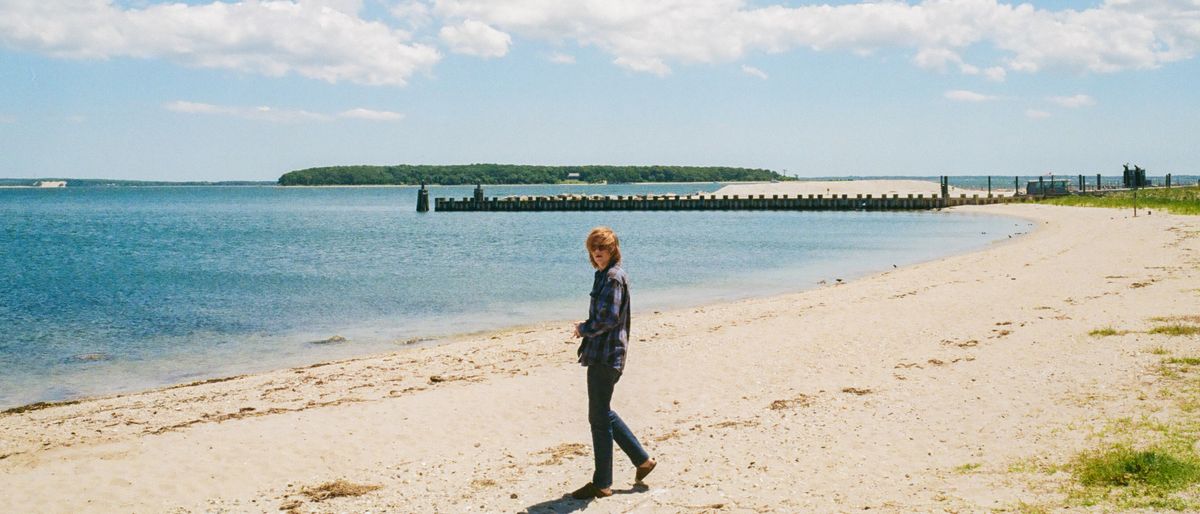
(1168, 319)
(1124, 466)
(1106, 331)
(1176, 200)
(1131, 478)
(1141, 464)
(967, 468)
(1030, 508)
(1177, 329)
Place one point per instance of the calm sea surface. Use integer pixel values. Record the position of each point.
(105, 290)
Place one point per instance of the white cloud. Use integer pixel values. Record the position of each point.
(367, 114)
(644, 64)
(7, 119)
(474, 38)
(754, 72)
(561, 58)
(267, 113)
(330, 40)
(319, 39)
(196, 108)
(251, 113)
(648, 36)
(413, 12)
(271, 114)
(1036, 114)
(960, 95)
(994, 74)
(1074, 101)
(939, 58)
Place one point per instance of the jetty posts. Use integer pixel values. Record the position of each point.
(479, 202)
(810, 202)
(422, 199)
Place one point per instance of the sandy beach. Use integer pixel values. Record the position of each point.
(936, 387)
(853, 187)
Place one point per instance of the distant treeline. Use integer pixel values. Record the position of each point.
(103, 182)
(516, 174)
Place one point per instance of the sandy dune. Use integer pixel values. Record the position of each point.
(871, 394)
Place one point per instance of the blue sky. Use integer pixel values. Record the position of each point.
(249, 90)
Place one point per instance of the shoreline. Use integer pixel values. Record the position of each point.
(965, 359)
(674, 298)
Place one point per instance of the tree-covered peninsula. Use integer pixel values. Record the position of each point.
(406, 174)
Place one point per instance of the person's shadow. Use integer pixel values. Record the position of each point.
(567, 504)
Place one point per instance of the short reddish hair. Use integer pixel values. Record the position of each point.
(603, 237)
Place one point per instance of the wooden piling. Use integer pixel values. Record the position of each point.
(422, 199)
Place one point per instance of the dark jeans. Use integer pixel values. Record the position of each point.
(607, 426)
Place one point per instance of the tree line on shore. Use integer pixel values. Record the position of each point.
(409, 174)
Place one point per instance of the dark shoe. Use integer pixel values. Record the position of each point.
(591, 491)
(643, 470)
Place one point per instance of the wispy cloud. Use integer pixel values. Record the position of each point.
(7, 119)
(1074, 101)
(1036, 114)
(197, 108)
(413, 12)
(367, 114)
(652, 65)
(474, 38)
(962, 95)
(271, 114)
(994, 73)
(561, 58)
(754, 72)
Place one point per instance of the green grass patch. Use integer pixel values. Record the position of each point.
(967, 468)
(1124, 466)
(1188, 361)
(1107, 331)
(1131, 478)
(1176, 200)
(1158, 350)
(1177, 329)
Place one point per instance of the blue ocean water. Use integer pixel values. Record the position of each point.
(105, 290)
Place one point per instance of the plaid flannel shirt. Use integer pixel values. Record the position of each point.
(606, 331)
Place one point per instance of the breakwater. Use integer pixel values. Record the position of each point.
(698, 202)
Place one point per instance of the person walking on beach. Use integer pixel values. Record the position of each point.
(603, 351)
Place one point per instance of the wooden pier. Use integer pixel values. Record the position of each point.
(701, 202)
